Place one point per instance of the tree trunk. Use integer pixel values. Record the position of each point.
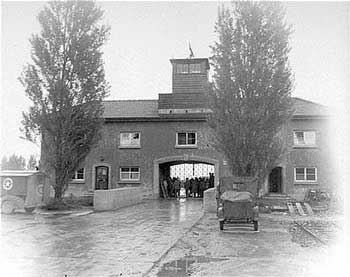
(59, 187)
(260, 181)
(58, 193)
(258, 187)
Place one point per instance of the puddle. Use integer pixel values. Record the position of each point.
(182, 266)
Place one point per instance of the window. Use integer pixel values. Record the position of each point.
(305, 174)
(182, 68)
(79, 174)
(129, 173)
(304, 138)
(130, 139)
(195, 68)
(188, 68)
(186, 139)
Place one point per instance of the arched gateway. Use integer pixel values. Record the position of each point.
(181, 159)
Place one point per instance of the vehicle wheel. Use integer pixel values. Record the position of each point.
(255, 225)
(29, 209)
(7, 207)
(221, 225)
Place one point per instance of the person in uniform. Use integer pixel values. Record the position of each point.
(206, 184)
(211, 180)
(201, 187)
(169, 188)
(195, 187)
(187, 187)
(177, 186)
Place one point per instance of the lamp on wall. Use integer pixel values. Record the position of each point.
(102, 158)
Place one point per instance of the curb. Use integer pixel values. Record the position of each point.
(80, 214)
(66, 214)
(157, 262)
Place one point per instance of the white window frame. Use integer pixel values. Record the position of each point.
(130, 173)
(130, 144)
(185, 68)
(182, 68)
(305, 175)
(186, 145)
(305, 142)
(75, 177)
(196, 68)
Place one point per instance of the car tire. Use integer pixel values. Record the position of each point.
(7, 207)
(221, 225)
(256, 225)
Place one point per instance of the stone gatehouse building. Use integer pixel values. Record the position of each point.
(142, 139)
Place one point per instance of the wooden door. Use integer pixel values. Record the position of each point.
(102, 173)
(275, 179)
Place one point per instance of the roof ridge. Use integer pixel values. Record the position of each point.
(129, 100)
(138, 100)
(309, 101)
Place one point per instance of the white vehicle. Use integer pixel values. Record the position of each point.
(22, 189)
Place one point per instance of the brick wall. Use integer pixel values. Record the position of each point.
(319, 157)
(158, 140)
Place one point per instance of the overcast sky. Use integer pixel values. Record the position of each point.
(144, 36)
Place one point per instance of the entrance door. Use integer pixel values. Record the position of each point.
(101, 181)
(275, 180)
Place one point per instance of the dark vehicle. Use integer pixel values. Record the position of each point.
(235, 206)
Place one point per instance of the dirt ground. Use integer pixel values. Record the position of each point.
(239, 251)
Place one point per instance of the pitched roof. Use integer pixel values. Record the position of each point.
(304, 108)
(149, 108)
(130, 108)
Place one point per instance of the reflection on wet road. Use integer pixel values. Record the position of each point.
(182, 267)
(127, 241)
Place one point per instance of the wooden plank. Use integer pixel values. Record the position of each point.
(308, 208)
(300, 209)
(165, 195)
(291, 208)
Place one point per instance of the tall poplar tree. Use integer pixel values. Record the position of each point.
(251, 92)
(66, 84)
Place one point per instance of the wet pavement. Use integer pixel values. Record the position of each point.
(126, 242)
(155, 238)
(239, 251)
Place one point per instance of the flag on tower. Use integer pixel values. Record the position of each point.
(191, 52)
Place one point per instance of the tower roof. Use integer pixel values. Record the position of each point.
(192, 60)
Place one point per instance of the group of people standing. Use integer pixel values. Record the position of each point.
(193, 187)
